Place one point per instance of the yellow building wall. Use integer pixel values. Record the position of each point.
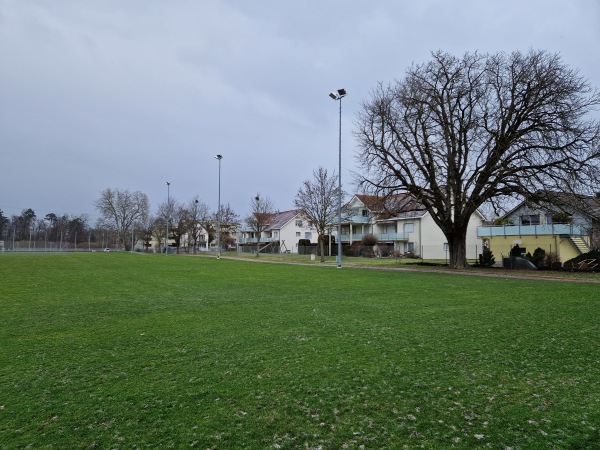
(501, 245)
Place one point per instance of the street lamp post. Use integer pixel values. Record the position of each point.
(219, 157)
(338, 95)
(168, 217)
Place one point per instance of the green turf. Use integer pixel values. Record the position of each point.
(130, 351)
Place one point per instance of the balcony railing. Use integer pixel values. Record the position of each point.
(381, 237)
(263, 240)
(355, 219)
(531, 230)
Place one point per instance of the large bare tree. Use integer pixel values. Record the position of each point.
(261, 213)
(157, 229)
(120, 209)
(198, 211)
(177, 216)
(230, 222)
(144, 230)
(206, 221)
(317, 200)
(459, 132)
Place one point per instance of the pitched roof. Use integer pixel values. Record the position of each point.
(280, 219)
(395, 205)
(585, 204)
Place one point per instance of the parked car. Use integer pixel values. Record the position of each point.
(107, 250)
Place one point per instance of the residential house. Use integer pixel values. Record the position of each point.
(201, 240)
(563, 225)
(283, 232)
(402, 226)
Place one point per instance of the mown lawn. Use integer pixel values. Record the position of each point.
(129, 351)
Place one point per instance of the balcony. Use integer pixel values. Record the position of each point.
(565, 229)
(356, 219)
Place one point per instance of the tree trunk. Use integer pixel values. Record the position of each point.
(458, 249)
(322, 248)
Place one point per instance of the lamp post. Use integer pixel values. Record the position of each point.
(168, 217)
(338, 95)
(219, 157)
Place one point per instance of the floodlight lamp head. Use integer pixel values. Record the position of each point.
(168, 184)
(218, 157)
(338, 94)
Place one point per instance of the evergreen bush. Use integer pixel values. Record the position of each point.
(487, 258)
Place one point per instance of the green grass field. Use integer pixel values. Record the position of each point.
(126, 351)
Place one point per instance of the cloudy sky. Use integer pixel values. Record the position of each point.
(130, 94)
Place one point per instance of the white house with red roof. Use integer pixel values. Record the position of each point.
(402, 226)
(285, 228)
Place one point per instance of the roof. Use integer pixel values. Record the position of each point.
(585, 204)
(280, 219)
(392, 206)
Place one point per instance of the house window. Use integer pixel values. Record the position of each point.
(307, 235)
(298, 234)
(275, 234)
(365, 213)
(409, 227)
(532, 219)
(410, 247)
(298, 223)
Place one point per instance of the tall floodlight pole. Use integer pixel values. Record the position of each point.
(341, 93)
(168, 217)
(219, 157)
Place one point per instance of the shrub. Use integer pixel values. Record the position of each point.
(515, 251)
(552, 261)
(487, 258)
(369, 240)
(538, 257)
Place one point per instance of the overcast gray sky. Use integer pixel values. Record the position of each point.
(133, 93)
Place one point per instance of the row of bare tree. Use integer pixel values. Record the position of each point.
(128, 214)
(125, 218)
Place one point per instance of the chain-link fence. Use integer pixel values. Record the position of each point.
(48, 246)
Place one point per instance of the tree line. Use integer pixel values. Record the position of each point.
(27, 226)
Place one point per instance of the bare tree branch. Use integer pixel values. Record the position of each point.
(120, 209)
(317, 200)
(262, 211)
